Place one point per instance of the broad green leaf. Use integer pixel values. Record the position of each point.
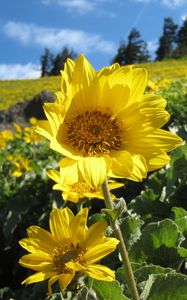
(172, 286)
(158, 244)
(143, 273)
(180, 218)
(106, 290)
(131, 229)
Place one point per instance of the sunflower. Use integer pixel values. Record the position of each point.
(104, 124)
(74, 191)
(69, 248)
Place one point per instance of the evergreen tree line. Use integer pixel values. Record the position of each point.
(172, 44)
(51, 64)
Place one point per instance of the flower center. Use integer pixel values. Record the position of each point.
(94, 133)
(62, 255)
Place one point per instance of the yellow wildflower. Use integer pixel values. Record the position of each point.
(5, 136)
(30, 136)
(74, 190)
(104, 125)
(70, 247)
(33, 121)
(21, 165)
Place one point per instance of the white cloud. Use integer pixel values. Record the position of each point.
(19, 71)
(56, 39)
(169, 3)
(173, 3)
(83, 6)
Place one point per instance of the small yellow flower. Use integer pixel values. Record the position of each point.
(5, 136)
(21, 165)
(18, 128)
(104, 124)
(30, 136)
(74, 190)
(152, 86)
(69, 248)
(33, 121)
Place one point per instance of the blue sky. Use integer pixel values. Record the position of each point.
(92, 27)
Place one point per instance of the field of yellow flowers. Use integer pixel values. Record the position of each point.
(13, 91)
(151, 215)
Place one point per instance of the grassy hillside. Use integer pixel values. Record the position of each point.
(13, 91)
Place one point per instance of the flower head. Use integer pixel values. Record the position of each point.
(21, 165)
(104, 124)
(74, 191)
(69, 248)
(5, 136)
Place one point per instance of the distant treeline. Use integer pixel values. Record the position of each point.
(172, 44)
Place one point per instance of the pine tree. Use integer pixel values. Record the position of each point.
(60, 59)
(181, 49)
(46, 63)
(120, 56)
(134, 52)
(167, 40)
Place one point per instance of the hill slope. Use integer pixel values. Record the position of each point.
(13, 91)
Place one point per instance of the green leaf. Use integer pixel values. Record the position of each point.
(131, 229)
(143, 273)
(180, 218)
(158, 244)
(118, 209)
(106, 290)
(172, 286)
(149, 206)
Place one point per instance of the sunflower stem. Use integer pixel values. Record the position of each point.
(122, 248)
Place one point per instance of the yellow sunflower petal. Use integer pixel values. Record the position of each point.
(59, 224)
(68, 171)
(94, 234)
(140, 169)
(44, 129)
(99, 272)
(55, 114)
(121, 76)
(51, 281)
(37, 262)
(94, 170)
(138, 85)
(37, 277)
(66, 78)
(117, 92)
(122, 164)
(150, 100)
(83, 73)
(164, 140)
(54, 175)
(159, 161)
(108, 70)
(36, 245)
(70, 197)
(65, 280)
(95, 271)
(97, 252)
(78, 225)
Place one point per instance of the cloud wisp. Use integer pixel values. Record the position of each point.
(82, 6)
(172, 4)
(19, 71)
(56, 39)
